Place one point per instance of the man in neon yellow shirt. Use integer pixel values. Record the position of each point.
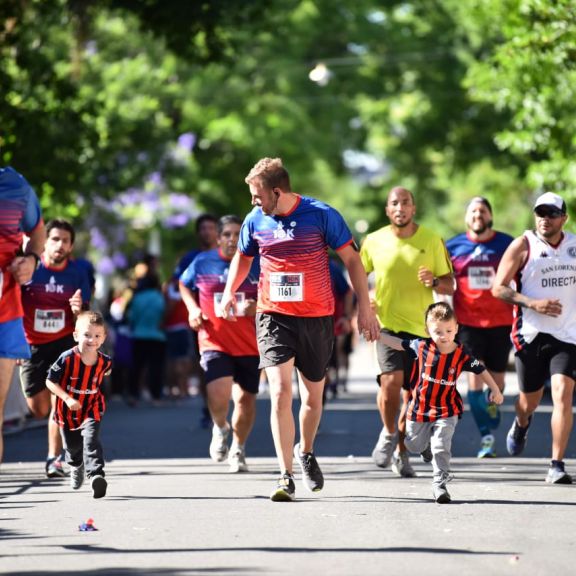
(409, 262)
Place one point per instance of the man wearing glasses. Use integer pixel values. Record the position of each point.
(542, 262)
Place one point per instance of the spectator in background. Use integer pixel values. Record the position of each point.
(146, 319)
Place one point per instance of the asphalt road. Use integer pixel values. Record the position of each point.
(171, 511)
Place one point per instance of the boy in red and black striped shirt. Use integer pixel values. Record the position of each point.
(76, 379)
(435, 404)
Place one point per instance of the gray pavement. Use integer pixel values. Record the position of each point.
(170, 510)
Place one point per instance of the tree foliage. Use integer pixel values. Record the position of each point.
(123, 98)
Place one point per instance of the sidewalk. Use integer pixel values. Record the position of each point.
(172, 511)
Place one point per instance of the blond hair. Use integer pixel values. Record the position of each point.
(271, 173)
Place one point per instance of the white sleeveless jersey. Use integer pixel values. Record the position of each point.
(549, 273)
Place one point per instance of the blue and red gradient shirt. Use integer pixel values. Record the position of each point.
(19, 214)
(207, 275)
(47, 313)
(81, 382)
(475, 264)
(293, 249)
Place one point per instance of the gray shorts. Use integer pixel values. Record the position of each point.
(391, 360)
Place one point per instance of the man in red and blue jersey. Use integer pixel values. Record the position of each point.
(59, 290)
(229, 354)
(291, 234)
(485, 321)
(20, 215)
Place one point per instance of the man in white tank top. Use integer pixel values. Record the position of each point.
(542, 263)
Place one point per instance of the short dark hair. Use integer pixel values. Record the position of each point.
(206, 217)
(228, 219)
(94, 318)
(61, 224)
(439, 312)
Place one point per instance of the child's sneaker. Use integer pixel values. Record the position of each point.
(76, 477)
(99, 486)
(285, 489)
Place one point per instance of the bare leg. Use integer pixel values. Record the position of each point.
(310, 411)
(6, 372)
(281, 418)
(243, 415)
(562, 416)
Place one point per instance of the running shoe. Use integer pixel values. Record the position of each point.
(441, 494)
(237, 461)
(439, 490)
(426, 454)
(76, 477)
(487, 447)
(99, 486)
(516, 438)
(219, 444)
(311, 473)
(384, 449)
(55, 468)
(557, 474)
(401, 465)
(285, 489)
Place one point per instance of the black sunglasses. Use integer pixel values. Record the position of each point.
(545, 212)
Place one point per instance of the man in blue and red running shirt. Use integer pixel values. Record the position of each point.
(294, 322)
(58, 291)
(229, 354)
(485, 321)
(19, 214)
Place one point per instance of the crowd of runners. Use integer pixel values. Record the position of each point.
(261, 298)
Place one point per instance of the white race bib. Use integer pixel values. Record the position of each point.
(49, 321)
(286, 287)
(240, 297)
(480, 277)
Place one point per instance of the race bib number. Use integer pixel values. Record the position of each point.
(49, 321)
(286, 287)
(480, 277)
(240, 297)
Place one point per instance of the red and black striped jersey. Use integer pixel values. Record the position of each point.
(83, 383)
(433, 380)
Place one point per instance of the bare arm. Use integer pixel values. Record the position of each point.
(23, 267)
(239, 269)
(512, 260)
(495, 393)
(57, 390)
(368, 324)
(194, 312)
(392, 341)
(440, 284)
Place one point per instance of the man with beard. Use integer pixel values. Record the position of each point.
(291, 234)
(484, 322)
(542, 262)
(409, 263)
(58, 291)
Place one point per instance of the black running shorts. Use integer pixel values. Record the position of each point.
(490, 345)
(542, 358)
(308, 340)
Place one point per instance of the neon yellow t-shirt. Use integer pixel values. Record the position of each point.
(400, 297)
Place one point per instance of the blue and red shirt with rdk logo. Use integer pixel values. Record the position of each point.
(293, 249)
(47, 312)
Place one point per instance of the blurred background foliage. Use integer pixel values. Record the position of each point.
(132, 116)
